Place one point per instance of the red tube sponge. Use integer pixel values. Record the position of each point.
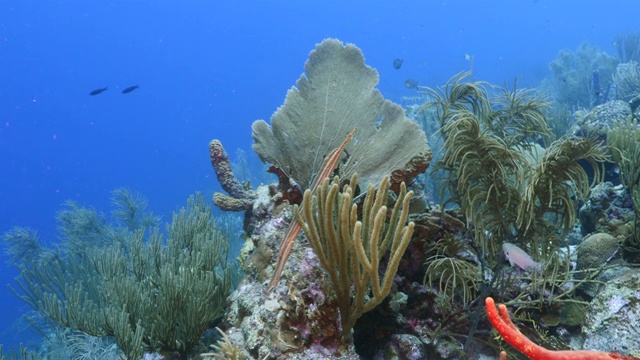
(503, 324)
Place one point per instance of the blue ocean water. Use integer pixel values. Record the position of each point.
(208, 69)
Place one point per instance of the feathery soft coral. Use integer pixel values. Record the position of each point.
(502, 323)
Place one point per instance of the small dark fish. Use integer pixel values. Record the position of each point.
(129, 89)
(98, 91)
(397, 63)
(410, 84)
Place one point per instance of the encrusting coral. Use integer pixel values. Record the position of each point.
(506, 328)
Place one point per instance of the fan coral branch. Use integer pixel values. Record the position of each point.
(240, 199)
(505, 327)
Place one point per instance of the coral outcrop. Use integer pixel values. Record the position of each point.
(597, 122)
(608, 209)
(298, 319)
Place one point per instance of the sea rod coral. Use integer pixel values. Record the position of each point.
(350, 249)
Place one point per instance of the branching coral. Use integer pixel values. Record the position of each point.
(468, 150)
(508, 187)
(336, 96)
(349, 249)
(126, 283)
(505, 327)
(287, 244)
(518, 117)
(457, 95)
(557, 178)
(485, 172)
(628, 46)
(454, 276)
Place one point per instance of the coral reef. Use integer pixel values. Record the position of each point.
(376, 273)
(298, 319)
(239, 197)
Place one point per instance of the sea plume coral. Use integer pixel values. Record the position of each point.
(146, 290)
